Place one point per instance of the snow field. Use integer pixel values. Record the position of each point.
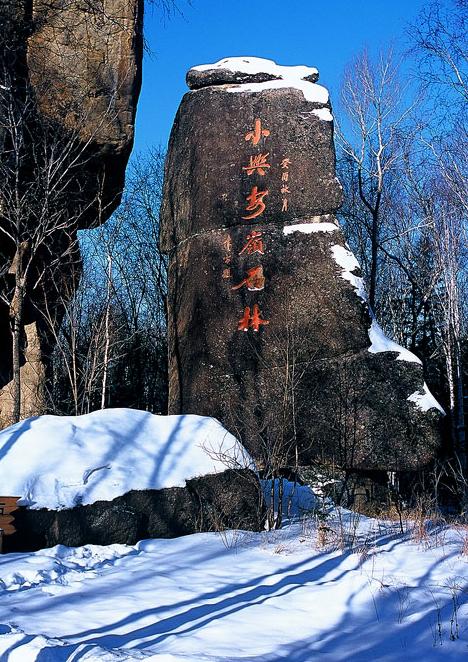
(363, 591)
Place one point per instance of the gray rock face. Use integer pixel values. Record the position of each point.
(208, 179)
(231, 499)
(269, 330)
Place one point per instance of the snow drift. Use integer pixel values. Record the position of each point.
(59, 462)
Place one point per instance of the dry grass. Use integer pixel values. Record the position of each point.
(462, 532)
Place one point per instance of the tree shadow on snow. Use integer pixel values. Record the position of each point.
(157, 455)
(397, 622)
(230, 599)
(14, 436)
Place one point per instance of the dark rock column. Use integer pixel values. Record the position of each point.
(269, 330)
(75, 70)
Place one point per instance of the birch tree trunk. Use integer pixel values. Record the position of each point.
(105, 368)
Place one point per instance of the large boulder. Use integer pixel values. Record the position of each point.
(228, 500)
(269, 328)
(84, 63)
(120, 475)
(73, 71)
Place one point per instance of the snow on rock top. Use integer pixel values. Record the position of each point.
(311, 91)
(323, 114)
(345, 259)
(253, 74)
(259, 65)
(381, 343)
(59, 462)
(310, 228)
(348, 263)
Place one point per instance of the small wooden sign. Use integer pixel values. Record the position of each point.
(7, 508)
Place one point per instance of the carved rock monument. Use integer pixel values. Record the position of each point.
(269, 329)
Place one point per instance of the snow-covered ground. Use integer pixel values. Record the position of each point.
(354, 590)
(337, 588)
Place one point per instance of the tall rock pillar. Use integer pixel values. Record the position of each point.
(269, 329)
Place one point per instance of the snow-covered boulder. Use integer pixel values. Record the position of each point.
(119, 475)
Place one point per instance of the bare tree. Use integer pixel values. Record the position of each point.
(402, 160)
(111, 348)
(440, 41)
(37, 172)
(47, 188)
(273, 433)
(370, 139)
(440, 45)
(450, 240)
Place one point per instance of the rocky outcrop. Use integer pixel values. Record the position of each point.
(74, 69)
(269, 329)
(231, 499)
(84, 63)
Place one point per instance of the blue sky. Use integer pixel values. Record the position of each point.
(323, 34)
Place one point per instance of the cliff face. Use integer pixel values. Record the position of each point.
(269, 328)
(73, 69)
(84, 62)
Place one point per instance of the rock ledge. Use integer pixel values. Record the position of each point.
(241, 70)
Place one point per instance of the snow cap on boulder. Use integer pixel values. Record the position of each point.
(59, 462)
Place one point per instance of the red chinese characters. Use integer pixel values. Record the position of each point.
(256, 204)
(254, 281)
(257, 133)
(258, 164)
(227, 244)
(251, 320)
(254, 243)
(285, 191)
